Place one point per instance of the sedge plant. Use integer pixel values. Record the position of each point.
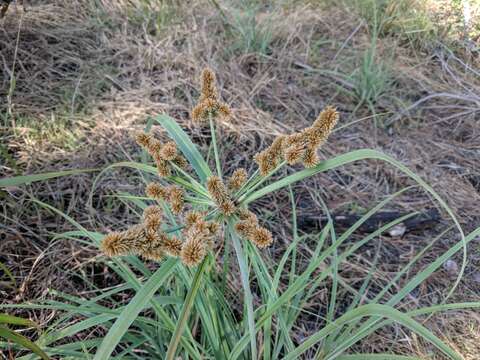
(196, 224)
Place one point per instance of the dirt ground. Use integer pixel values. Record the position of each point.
(79, 79)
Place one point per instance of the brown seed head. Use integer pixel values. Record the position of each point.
(245, 228)
(156, 191)
(163, 168)
(169, 151)
(261, 237)
(171, 245)
(152, 210)
(143, 139)
(154, 146)
(191, 217)
(193, 251)
(327, 119)
(115, 243)
(294, 154)
(152, 224)
(213, 228)
(209, 90)
(148, 245)
(224, 110)
(227, 207)
(277, 146)
(247, 215)
(180, 161)
(176, 198)
(238, 178)
(219, 194)
(311, 158)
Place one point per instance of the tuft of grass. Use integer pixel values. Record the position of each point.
(250, 24)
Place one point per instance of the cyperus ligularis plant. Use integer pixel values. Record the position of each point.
(198, 236)
(182, 307)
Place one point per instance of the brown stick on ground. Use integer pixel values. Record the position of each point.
(418, 222)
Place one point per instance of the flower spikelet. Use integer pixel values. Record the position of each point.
(311, 158)
(213, 228)
(208, 103)
(163, 167)
(193, 251)
(245, 214)
(180, 161)
(224, 110)
(152, 224)
(156, 191)
(152, 210)
(191, 217)
(176, 198)
(245, 228)
(294, 154)
(220, 196)
(154, 146)
(261, 237)
(248, 228)
(238, 178)
(171, 245)
(269, 158)
(143, 139)
(299, 147)
(152, 248)
(209, 90)
(115, 243)
(196, 244)
(323, 126)
(169, 151)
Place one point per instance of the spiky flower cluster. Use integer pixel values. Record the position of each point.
(145, 239)
(149, 241)
(249, 228)
(238, 178)
(299, 147)
(163, 154)
(209, 104)
(173, 195)
(199, 235)
(219, 193)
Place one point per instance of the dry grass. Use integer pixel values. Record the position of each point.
(84, 77)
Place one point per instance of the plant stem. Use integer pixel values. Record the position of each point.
(215, 148)
(187, 307)
(248, 298)
(262, 180)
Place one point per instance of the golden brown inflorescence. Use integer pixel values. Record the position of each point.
(164, 155)
(173, 195)
(249, 228)
(209, 104)
(299, 147)
(238, 178)
(218, 191)
(149, 241)
(199, 237)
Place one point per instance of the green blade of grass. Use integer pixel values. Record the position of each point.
(131, 311)
(14, 320)
(22, 341)
(377, 357)
(185, 313)
(27, 179)
(242, 263)
(373, 310)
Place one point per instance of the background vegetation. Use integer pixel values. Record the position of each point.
(79, 77)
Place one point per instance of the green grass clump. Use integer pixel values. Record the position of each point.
(180, 308)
